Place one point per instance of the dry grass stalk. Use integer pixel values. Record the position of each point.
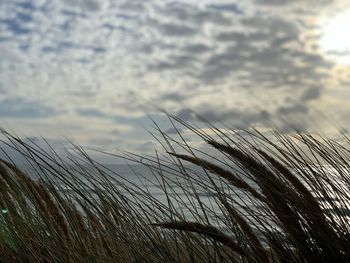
(46, 224)
(229, 176)
(205, 230)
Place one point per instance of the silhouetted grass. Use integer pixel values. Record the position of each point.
(268, 198)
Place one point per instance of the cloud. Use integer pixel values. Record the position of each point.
(258, 53)
(173, 130)
(186, 114)
(176, 30)
(173, 96)
(311, 94)
(225, 60)
(299, 108)
(19, 108)
(91, 113)
(234, 8)
(237, 119)
(148, 146)
(193, 14)
(275, 2)
(198, 48)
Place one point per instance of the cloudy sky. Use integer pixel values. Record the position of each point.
(91, 70)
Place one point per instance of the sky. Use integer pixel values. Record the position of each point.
(93, 71)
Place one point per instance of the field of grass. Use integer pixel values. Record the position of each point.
(274, 198)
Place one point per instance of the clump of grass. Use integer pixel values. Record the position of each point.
(251, 197)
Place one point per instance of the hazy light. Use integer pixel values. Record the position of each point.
(335, 41)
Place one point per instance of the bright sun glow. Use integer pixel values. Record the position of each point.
(335, 41)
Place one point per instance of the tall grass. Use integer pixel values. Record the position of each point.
(268, 198)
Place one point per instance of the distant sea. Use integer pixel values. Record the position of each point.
(141, 178)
